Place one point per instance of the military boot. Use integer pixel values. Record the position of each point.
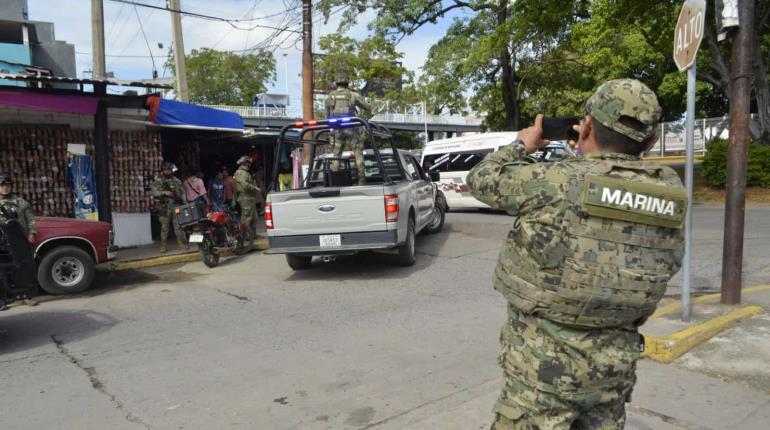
(182, 245)
(163, 247)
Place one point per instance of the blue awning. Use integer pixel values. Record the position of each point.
(170, 113)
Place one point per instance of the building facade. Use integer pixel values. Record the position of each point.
(31, 46)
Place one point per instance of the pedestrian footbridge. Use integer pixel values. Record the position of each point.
(274, 118)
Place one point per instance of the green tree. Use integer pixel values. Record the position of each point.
(365, 62)
(222, 77)
(503, 35)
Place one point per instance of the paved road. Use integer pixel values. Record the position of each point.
(354, 344)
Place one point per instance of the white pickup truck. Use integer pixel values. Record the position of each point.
(329, 214)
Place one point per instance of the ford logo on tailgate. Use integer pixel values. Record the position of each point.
(326, 208)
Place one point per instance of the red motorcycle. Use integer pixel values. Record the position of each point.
(215, 233)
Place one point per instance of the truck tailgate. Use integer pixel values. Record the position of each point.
(328, 210)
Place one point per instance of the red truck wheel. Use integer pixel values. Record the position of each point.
(65, 270)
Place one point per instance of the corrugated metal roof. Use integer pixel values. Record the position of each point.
(67, 80)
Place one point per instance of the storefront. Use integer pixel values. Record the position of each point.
(41, 129)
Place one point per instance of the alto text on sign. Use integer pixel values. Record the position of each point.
(689, 33)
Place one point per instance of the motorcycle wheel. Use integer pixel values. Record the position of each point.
(244, 242)
(209, 257)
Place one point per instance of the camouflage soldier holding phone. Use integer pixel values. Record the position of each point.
(594, 242)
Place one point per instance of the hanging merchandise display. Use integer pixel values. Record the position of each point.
(80, 177)
(37, 158)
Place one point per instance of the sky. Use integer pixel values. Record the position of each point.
(128, 53)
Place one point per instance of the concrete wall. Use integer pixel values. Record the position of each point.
(57, 55)
(14, 10)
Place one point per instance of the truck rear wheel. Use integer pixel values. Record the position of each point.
(66, 270)
(406, 252)
(299, 262)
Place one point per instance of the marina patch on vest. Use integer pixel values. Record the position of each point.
(633, 201)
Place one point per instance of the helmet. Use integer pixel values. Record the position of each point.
(5, 178)
(341, 77)
(243, 159)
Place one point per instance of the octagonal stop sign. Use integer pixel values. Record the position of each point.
(688, 33)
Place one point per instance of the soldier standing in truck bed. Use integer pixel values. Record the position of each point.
(344, 102)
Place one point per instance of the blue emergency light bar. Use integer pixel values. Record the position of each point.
(332, 122)
(341, 120)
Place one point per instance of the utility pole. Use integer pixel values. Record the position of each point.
(737, 157)
(307, 70)
(101, 124)
(97, 39)
(181, 70)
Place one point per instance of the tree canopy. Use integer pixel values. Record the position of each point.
(516, 58)
(222, 77)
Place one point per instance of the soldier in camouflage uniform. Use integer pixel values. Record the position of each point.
(167, 191)
(595, 240)
(246, 191)
(343, 102)
(13, 206)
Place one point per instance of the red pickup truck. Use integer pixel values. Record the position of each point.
(67, 251)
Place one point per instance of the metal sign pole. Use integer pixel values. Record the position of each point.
(689, 146)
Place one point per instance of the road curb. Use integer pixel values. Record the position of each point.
(162, 260)
(673, 307)
(668, 348)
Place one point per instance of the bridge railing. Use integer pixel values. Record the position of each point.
(422, 119)
(400, 118)
(257, 111)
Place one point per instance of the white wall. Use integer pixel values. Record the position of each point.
(132, 229)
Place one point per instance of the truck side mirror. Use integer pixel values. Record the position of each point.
(435, 176)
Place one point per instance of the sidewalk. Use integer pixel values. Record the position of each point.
(141, 257)
(721, 384)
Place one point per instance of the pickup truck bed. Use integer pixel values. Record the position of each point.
(330, 215)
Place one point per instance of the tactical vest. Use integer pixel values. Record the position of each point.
(342, 103)
(604, 256)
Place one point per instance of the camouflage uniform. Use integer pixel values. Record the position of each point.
(581, 269)
(166, 206)
(23, 212)
(246, 191)
(340, 103)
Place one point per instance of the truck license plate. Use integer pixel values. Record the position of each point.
(196, 238)
(330, 240)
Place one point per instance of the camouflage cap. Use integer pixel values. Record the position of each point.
(5, 178)
(625, 98)
(166, 165)
(244, 159)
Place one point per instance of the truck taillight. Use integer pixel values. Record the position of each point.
(391, 208)
(269, 215)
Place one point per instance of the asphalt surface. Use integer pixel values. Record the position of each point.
(354, 344)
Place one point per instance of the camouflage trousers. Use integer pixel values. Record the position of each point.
(249, 214)
(349, 139)
(167, 216)
(564, 378)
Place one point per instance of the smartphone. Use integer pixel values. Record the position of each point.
(560, 128)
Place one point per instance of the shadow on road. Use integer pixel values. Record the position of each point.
(22, 328)
(371, 265)
(126, 280)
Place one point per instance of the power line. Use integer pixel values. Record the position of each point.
(141, 27)
(115, 21)
(115, 55)
(136, 33)
(208, 17)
